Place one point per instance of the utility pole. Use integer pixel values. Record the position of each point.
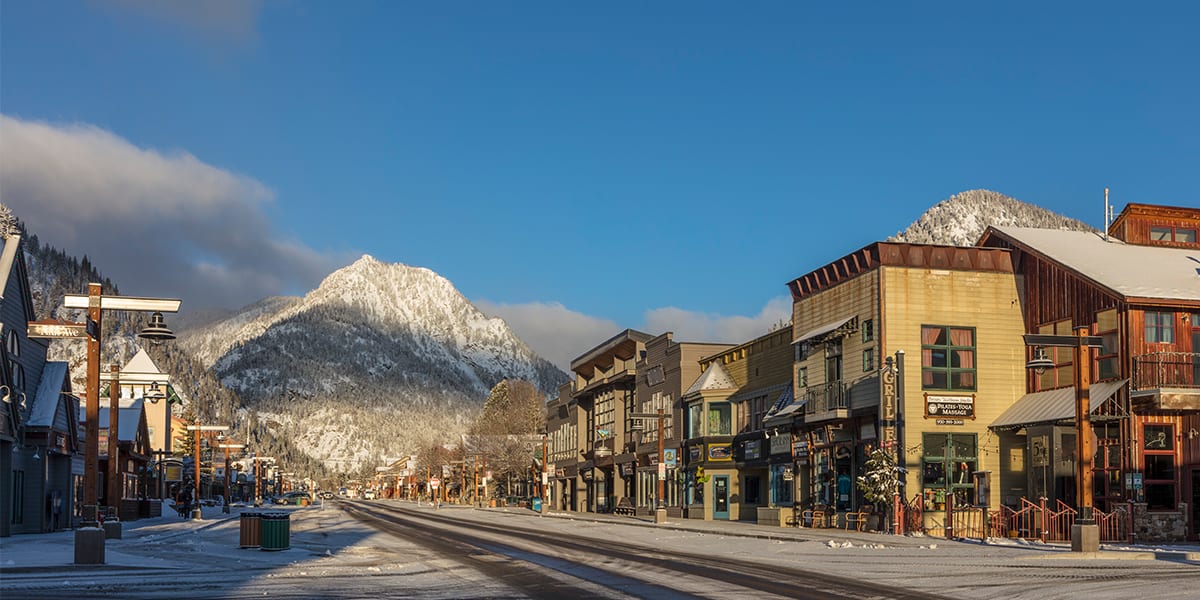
(660, 509)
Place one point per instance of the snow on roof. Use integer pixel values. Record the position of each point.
(1128, 269)
(127, 422)
(45, 400)
(713, 378)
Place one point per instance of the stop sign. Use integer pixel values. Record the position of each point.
(434, 483)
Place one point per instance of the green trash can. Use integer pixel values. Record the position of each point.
(276, 531)
(251, 529)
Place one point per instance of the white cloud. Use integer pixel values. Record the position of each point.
(157, 224)
(693, 326)
(555, 332)
(559, 334)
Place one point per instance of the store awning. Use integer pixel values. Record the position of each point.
(1052, 406)
(820, 331)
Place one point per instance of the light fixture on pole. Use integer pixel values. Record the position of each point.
(1040, 362)
(197, 513)
(1085, 533)
(227, 446)
(89, 543)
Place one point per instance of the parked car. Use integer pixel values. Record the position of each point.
(294, 499)
(369, 495)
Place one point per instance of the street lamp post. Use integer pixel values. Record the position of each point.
(1085, 533)
(660, 509)
(197, 513)
(257, 460)
(89, 539)
(227, 447)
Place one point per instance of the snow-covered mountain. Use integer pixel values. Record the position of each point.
(377, 360)
(961, 219)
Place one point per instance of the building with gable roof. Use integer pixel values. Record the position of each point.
(738, 467)
(710, 472)
(133, 455)
(51, 435)
(36, 432)
(1138, 288)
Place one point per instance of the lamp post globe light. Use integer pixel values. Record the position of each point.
(89, 539)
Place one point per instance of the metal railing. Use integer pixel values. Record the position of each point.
(826, 397)
(1166, 369)
(1029, 521)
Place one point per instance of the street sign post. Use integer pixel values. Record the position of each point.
(53, 329)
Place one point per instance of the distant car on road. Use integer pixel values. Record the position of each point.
(294, 499)
(369, 495)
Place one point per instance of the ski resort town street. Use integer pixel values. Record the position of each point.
(401, 549)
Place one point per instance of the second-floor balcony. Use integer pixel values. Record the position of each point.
(826, 401)
(1166, 381)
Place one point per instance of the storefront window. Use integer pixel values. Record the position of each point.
(781, 488)
(1158, 458)
(949, 459)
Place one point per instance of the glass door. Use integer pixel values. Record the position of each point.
(721, 497)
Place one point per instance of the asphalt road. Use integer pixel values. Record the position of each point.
(389, 549)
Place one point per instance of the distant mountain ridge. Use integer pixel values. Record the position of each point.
(381, 359)
(962, 218)
(396, 347)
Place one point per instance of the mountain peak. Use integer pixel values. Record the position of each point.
(962, 218)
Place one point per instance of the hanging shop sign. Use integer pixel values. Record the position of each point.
(949, 407)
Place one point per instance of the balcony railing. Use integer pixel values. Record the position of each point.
(826, 397)
(1159, 370)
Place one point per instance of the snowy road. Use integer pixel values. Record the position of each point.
(388, 549)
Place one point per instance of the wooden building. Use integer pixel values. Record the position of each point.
(746, 466)
(662, 373)
(955, 315)
(603, 389)
(1138, 288)
(38, 461)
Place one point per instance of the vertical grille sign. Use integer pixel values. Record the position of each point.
(887, 406)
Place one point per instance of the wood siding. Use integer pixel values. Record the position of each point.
(989, 303)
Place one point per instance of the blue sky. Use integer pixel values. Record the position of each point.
(575, 169)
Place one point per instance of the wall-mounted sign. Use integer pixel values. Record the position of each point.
(720, 452)
(694, 453)
(781, 444)
(949, 407)
(800, 449)
(672, 456)
(950, 422)
(753, 449)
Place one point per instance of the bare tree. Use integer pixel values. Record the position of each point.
(509, 428)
